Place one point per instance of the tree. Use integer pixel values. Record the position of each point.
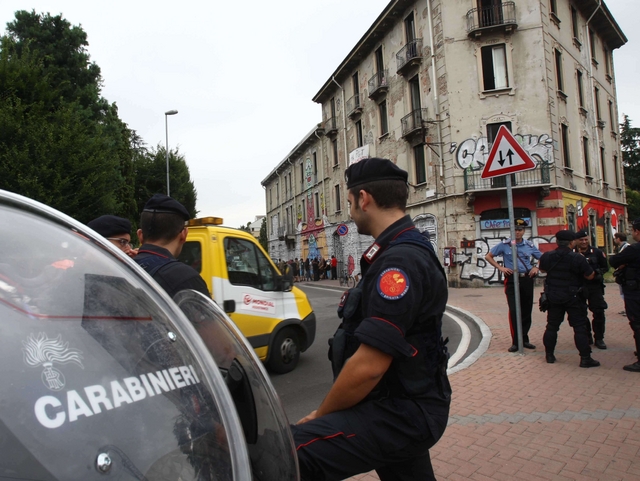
(630, 146)
(264, 241)
(151, 178)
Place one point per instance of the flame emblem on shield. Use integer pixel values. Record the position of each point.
(40, 350)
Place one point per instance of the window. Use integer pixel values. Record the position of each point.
(616, 170)
(270, 198)
(301, 176)
(553, 8)
(585, 153)
(613, 125)
(410, 28)
(247, 266)
(602, 165)
(316, 198)
(559, 81)
(379, 60)
(592, 46)
(414, 90)
(356, 89)
(421, 171)
(315, 166)
(571, 220)
(334, 148)
(277, 193)
(494, 67)
(358, 133)
(607, 62)
(304, 212)
(580, 91)
(565, 146)
(574, 25)
(596, 94)
(384, 124)
(338, 206)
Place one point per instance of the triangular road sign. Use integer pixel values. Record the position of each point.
(506, 156)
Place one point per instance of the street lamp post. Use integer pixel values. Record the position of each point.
(166, 128)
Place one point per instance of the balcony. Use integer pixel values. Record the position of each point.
(286, 234)
(414, 123)
(331, 126)
(539, 176)
(354, 106)
(378, 85)
(409, 56)
(497, 18)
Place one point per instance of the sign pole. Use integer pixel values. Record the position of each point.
(516, 272)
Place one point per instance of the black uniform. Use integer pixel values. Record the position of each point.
(594, 290)
(564, 288)
(172, 275)
(397, 308)
(630, 258)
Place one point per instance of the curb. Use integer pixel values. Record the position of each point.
(484, 343)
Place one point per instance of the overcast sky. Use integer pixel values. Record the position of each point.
(242, 79)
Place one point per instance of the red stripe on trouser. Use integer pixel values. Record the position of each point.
(324, 439)
(513, 334)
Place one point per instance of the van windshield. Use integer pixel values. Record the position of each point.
(247, 265)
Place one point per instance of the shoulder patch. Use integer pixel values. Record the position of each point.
(393, 284)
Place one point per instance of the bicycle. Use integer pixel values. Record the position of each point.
(349, 281)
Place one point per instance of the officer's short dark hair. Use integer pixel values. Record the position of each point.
(620, 236)
(388, 194)
(161, 226)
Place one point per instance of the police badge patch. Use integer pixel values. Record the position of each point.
(393, 284)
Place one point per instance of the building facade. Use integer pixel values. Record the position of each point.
(428, 86)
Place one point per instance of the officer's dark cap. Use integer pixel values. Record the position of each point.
(636, 224)
(565, 235)
(163, 204)
(110, 225)
(370, 170)
(582, 233)
(520, 224)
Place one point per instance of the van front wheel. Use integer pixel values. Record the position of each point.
(285, 351)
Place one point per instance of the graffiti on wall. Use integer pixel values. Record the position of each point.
(472, 262)
(474, 152)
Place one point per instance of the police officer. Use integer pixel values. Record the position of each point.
(629, 259)
(162, 234)
(566, 272)
(526, 274)
(594, 289)
(116, 230)
(390, 400)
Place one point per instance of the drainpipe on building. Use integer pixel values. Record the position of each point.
(436, 102)
(344, 124)
(593, 98)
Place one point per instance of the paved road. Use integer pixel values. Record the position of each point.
(302, 390)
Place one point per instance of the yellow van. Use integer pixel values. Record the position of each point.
(275, 316)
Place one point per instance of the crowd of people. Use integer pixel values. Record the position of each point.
(311, 268)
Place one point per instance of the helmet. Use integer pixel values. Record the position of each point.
(103, 373)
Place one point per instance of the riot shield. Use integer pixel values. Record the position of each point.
(269, 440)
(103, 376)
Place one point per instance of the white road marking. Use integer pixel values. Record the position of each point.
(464, 342)
(484, 343)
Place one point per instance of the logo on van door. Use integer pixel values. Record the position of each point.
(258, 304)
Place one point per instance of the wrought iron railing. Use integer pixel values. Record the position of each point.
(353, 104)
(378, 82)
(539, 176)
(410, 51)
(492, 16)
(414, 121)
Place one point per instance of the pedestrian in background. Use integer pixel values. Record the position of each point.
(629, 260)
(334, 267)
(564, 287)
(526, 272)
(307, 269)
(594, 289)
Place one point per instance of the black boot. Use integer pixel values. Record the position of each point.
(588, 361)
(550, 358)
(635, 367)
(600, 344)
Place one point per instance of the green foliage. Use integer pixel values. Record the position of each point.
(633, 204)
(61, 142)
(630, 146)
(151, 178)
(264, 241)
